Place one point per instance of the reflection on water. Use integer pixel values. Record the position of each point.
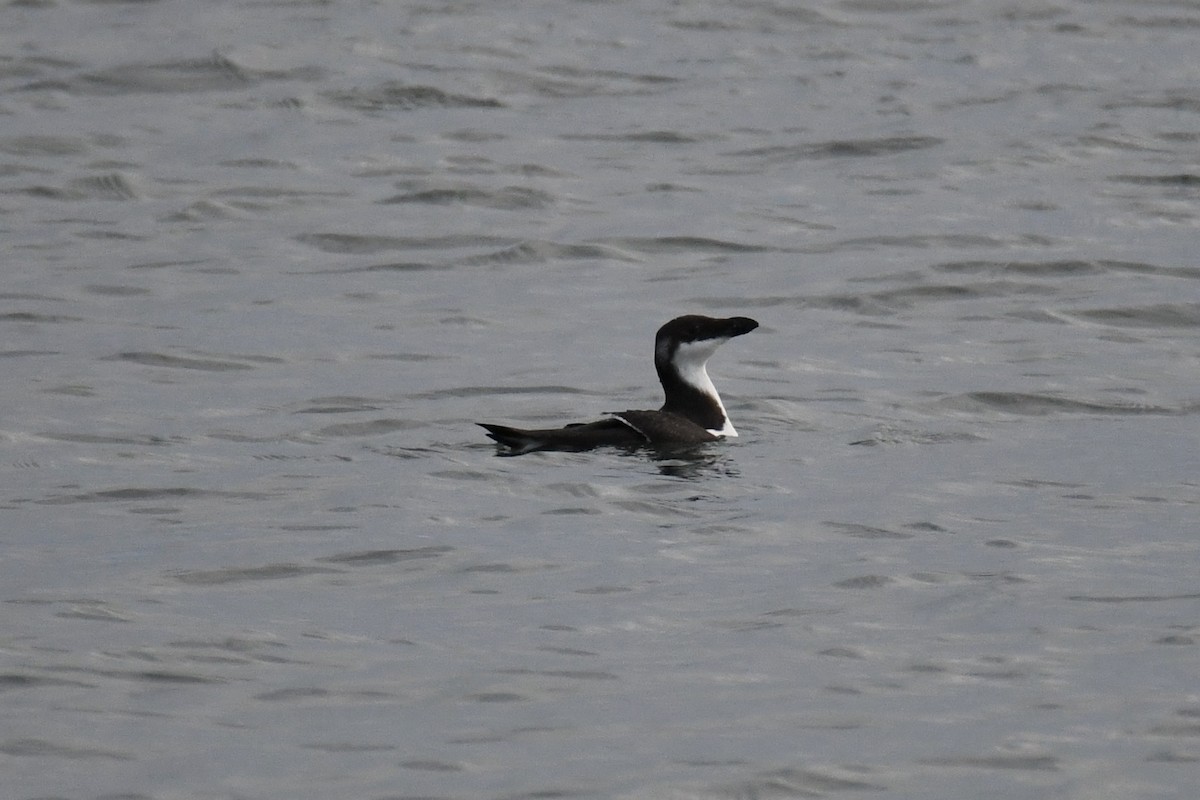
(695, 463)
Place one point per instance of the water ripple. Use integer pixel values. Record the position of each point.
(217, 73)
(270, 572)
(42, 748)
(1162, 315)
(142, 494)
(366, 244)
(536, 251)
(684, 244)
(1139, 598)
(32, 146)
(1004, 761)
(151, 359)
(396, 96)
(795, 783)
(840, 148)
(1039, 404)
(1067, 268)
(370, 558)
(507, 198)
(375, 427)
(112, 186)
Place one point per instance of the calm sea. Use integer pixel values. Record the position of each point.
(264, 264)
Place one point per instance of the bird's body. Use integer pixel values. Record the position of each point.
(693, 412)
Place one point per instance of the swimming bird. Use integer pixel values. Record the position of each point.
(693, 411)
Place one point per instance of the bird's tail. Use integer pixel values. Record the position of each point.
(517, 440)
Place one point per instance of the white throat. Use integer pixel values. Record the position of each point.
(690, 362)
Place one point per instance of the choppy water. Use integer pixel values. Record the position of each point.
(265, 263)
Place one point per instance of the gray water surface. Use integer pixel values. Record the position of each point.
(264, 264)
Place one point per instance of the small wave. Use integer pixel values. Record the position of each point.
(31, 316)
(10, 680)
(660, 137)
(270, 572)
(143, 494)
(217, 73)
(348, 747)
(370, 558)
(529, 251)
(933, 241)
(391, 266)
(375, 427)
(42, 748)
(115, 290)
(202, 210)
(892, 436)
(1051, 269)
(1164, 315)
(570, 674)
(42, 146)
(508, 198)
(242, 648)
(684, 244)
(348, 243)
(258, 163)
(72, 390)
(565, 81)
(29, 354)
(412, 357)
(1043, 404)
(44, 192)
(909, 297)
(794, 782)
(339, 405)
(840, 148)
(1065, 268)
(1135, 598)
(274, 192)
(857, 531)
(94, 438)
(893, 301)
(151, 359)
(539, 251)
(1180, 180)
(113, 186)
(1186, 100)
(489, 391)
(393, 96)
(1004, 761)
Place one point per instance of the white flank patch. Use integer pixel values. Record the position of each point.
(690, 360)
(629, 424)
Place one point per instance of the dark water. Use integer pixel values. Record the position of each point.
(264, 264)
